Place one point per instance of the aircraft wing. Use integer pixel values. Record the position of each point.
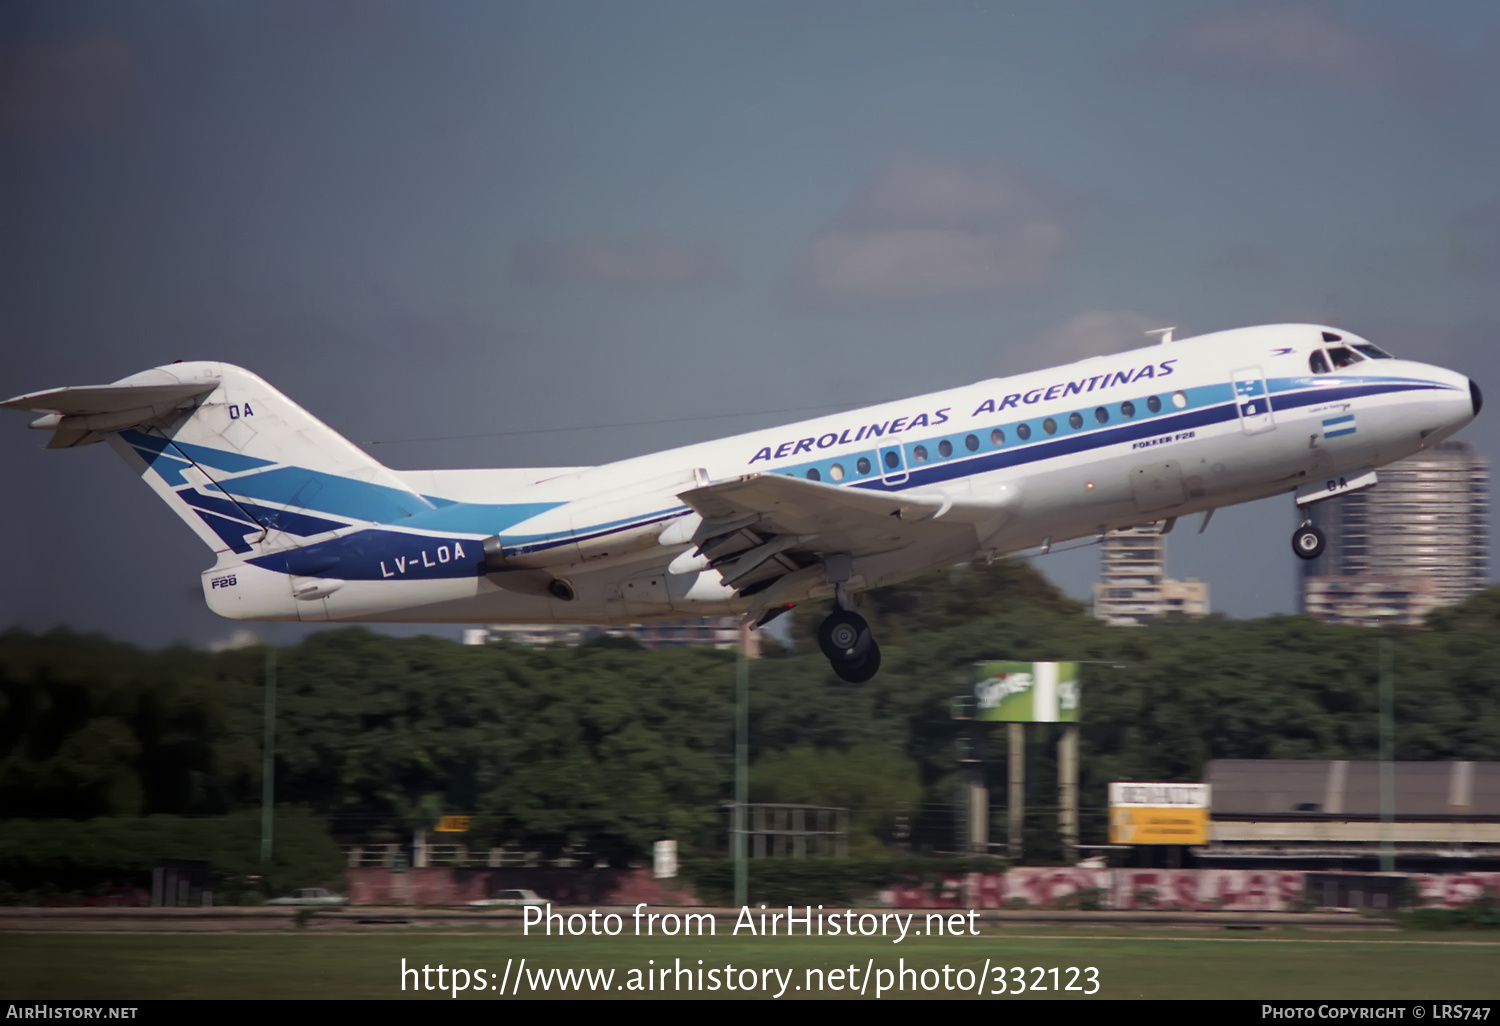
(760, 528)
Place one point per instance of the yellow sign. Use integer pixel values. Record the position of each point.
(454, 824)
(1144, 824)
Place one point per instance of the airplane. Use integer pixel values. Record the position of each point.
(307, 527)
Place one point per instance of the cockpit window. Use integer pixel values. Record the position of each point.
(1317, 363)
(1373, 352)
(1343, 357)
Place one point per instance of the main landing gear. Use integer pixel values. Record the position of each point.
(846, 640)
(1308, 542)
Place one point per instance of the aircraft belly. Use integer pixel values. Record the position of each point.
(1157, 485)
(439, 600)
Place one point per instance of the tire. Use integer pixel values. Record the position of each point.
(857, 671)
(844, 636)
(1308, 542)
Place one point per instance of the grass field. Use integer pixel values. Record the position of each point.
(1154, 964)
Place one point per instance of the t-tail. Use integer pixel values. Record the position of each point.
(255, 476)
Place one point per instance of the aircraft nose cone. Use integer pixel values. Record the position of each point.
(1476, 397)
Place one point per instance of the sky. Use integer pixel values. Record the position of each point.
(563, 233)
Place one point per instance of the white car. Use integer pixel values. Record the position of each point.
(310, 896)
(509, 899)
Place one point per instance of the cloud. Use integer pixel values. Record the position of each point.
(1095, 333)
(637, 263)
(79, 85)
(1300, 42)
(923, 230)
(1284, 40)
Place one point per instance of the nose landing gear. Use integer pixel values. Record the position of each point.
(845, 638)
(1308, 542)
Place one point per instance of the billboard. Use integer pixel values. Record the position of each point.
(1026, 692)
(1158, 813)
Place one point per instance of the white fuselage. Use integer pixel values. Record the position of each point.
(1018, 462)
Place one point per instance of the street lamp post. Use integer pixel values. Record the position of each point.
(268, 758)
(1387, 753)
(741, 767)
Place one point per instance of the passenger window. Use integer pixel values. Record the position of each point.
(997, 437)
(892, 459)
(1075, 419)
(863, 466)
(1023, 431)
(1050, 426)
(945, 448)
(1343, 357)
(1127, 409)
(1153, 404)
(919, 454)
(813, 475)
(836, 471)
(1317, 363)
(1102, 415)
(971, 443)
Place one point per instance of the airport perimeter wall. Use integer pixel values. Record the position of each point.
(450, 885)
(1240, 890)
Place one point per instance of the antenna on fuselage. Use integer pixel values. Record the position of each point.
(1165, 333)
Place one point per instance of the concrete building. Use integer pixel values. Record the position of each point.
(1134, 586)
(1418, 540)
(1331, 811)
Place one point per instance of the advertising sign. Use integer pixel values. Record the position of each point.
(1158, 813)
(1026, 692)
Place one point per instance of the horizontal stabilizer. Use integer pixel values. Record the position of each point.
(80, 414)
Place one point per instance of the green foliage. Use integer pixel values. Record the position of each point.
(608, 747)
(1483, 913)
(867, 779)
(74, 855)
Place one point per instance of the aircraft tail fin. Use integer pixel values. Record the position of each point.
(246, 468)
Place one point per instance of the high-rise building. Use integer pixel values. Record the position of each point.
(1418, 540)
(1135, 586)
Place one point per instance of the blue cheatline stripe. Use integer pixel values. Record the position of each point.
(232, 532)
(539, 543)
(302, 488)
(1339, 433)
(476, 518)
(1144, 425)
(171, 470)
(1036, 452)
(327, 493)
(290, 521)
(219, 459)
(374, 555)
(1338, 420)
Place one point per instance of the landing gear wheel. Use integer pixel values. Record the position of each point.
(1308, 542)
(857, 671)
(844, 636)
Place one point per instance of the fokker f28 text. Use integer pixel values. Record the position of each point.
(308, 527)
